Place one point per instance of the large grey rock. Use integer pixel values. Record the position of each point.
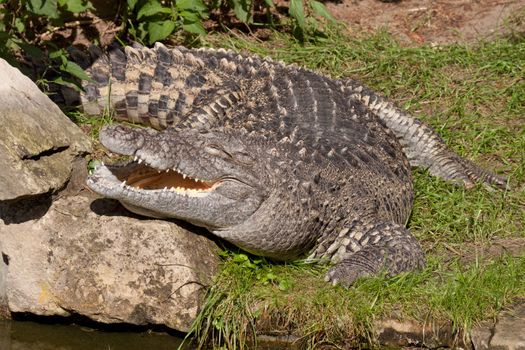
(481, 334)
(408, 333)
(509, 332)
(38, 143)
(87, 257)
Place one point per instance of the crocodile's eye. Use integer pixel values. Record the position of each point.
(217, 151)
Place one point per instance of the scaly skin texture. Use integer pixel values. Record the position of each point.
(279, 160)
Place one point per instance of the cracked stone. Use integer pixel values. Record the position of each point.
(38, 143)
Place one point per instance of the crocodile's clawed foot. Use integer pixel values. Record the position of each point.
(346, 273)
(395, 250)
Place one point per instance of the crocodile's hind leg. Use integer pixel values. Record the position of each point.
(367, 249)
(424, 147)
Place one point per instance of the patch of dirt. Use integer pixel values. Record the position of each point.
(84, 31)
(469, 253)
(429, 21)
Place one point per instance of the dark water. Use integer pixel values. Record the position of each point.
(26, 335)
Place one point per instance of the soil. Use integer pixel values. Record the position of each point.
(416, 22)
(473, 253)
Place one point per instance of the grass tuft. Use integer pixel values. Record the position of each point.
(240, 306)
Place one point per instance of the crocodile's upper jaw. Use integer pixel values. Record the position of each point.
(223, 200)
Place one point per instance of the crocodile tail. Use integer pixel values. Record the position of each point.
(423, 147)
(161, 87)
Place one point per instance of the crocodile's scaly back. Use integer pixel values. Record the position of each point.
(277, 159)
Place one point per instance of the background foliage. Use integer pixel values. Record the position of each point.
(26, 26)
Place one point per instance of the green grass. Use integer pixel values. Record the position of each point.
(91, 124)
(474, 96)
(240, 304)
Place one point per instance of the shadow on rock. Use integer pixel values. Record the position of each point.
(110, 207)
(22, 210)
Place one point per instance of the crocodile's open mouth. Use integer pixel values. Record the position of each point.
(148, 178)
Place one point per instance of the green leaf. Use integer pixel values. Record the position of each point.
(238, 258)
(19, 25)
(321, 10)
(76, 6)
(160, 30)
(43, 7)
(284, 285)
(195, 5)
(194, 27)
(269, 3)
(13, 43)
(33, 51)
(152, 8)
(56, 54)
(142, 31)
(132, 4)
(75, 70)
(70, 84)
(242, 10)
(297, 12)
(189, 16)
(269, 277)
(93, 164)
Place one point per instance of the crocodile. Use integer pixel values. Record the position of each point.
(279, 160)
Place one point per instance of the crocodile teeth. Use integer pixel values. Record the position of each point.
(135, 159)
(140, 161)
(123, 183)
(183, 176)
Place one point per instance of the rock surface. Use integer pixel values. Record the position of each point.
(507, 334)
(481, 334)
(64, 254)
(87, 257)
(395, 333)
(38, 143)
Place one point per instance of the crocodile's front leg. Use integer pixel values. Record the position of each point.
(367, 249)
